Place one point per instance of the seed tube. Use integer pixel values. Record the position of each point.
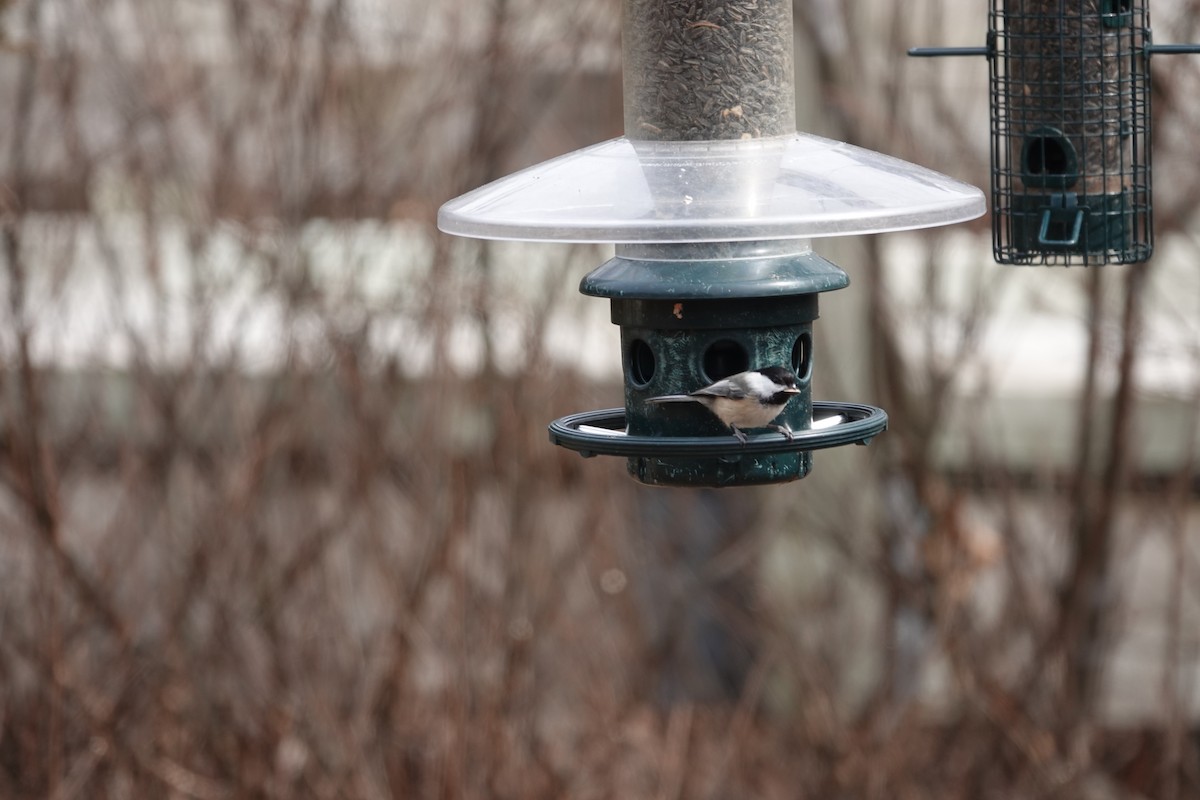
(699, 70)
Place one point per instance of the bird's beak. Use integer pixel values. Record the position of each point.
(792, 390)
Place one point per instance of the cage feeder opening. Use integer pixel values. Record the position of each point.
(1070, 121)
(711, 199)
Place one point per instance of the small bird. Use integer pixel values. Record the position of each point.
(751, 399)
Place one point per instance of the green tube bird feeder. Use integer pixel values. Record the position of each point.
(711, 199)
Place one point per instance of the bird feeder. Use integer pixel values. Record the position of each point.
(711, 199)
(1070, 130)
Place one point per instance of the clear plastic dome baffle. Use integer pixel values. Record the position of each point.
(796, 186)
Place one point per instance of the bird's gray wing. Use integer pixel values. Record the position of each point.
(721, 389)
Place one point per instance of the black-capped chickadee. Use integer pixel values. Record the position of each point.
(750, 399)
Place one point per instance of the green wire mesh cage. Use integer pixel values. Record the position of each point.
(1070, 131)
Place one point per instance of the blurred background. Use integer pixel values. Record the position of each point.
(279, 516)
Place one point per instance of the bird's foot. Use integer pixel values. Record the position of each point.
(785, 430)
(741, 437)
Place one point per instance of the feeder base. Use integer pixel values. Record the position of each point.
(1094, 229)
(718, 460)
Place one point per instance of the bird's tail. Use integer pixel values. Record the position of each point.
(672, 398)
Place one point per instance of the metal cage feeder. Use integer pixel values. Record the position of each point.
(711, 200)
(1070, 130)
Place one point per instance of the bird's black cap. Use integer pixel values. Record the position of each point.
(781, 375)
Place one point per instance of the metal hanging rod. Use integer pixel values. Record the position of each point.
(988, 50)
(1173, 49)
(938, 52)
